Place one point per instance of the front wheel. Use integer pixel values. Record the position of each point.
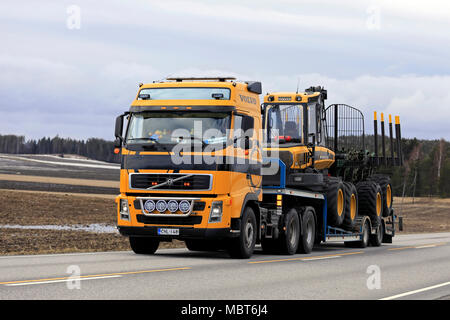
(243, 246)
(143, 245)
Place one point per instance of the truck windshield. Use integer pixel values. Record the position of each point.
(184, 94)
(178, 127)
(284, 121)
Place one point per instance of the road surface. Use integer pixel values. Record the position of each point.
(413, 267)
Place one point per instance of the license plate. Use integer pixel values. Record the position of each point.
(168, 232)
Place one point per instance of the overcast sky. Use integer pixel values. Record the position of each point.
(68, 76)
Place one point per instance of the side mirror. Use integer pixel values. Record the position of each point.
(119, 128)
(246, 143)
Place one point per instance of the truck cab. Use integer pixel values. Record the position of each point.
(190, 163)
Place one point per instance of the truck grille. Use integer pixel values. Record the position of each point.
(149, 180)
(185, 221)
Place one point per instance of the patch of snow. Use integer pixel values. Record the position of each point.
(95, 227)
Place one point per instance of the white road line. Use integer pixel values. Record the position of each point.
(55, 281)
(416, 291)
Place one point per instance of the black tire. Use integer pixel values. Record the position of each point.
(386, 192)
(351, 206)
(200, 245)
(289, 238)
(335, 203)
(364, 242)
(308, 237)
(370, 201)
(242, 247)
(377, 238)
(143, 245)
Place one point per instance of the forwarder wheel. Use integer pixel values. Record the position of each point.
(335, 203)
(242, 247)
(386, 192)
(370, 200)
(289, 239)
(143, 245)
(351, 206)
(308, 237)
(377, 238)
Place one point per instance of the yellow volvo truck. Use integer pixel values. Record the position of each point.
(203, 161)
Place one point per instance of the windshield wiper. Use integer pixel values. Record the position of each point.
(153, 139)
(204, 144)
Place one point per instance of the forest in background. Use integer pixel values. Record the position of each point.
(426, 170)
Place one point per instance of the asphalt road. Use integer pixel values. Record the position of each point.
(413, 267)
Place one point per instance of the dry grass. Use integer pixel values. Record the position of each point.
(422, 215)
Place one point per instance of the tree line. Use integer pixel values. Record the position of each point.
(93, 148)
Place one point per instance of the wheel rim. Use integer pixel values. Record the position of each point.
(353, 207)
(293, 232)
(388, 196)
(378, 204)
(340, 202)
(248, 234)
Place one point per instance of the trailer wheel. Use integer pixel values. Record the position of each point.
(377, 238)
(289, 239)
(335, 203)
(386, 192)
(308, 238)
(242, 247)
(364, 242)
(351, 206)
(370, 200)
(143, 245)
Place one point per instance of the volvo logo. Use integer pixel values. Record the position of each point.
(169, 182)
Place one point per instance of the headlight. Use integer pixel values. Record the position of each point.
(216, 212)
(161, 205)
(124, 211)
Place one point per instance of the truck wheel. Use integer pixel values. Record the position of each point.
(335, 203)
(242, 247)
(377, 239)
(289, 239)
(386, 192)
(308, 237)
(370, 200)
(143, 245)
(351, 206)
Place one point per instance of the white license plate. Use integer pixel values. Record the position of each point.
(168, 232)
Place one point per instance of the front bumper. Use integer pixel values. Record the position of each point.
(184, 233)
